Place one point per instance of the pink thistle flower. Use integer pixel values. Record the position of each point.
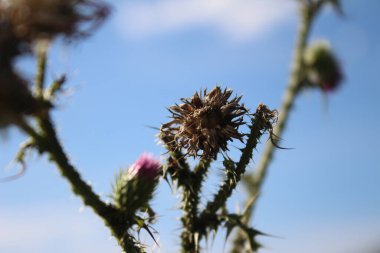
(146, 166)
(134, 188)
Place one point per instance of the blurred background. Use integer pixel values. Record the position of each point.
(321, 196)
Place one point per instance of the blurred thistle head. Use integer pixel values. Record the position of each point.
(10, 44)
(204, 123)
(322, 67)
(46, 19)
(16, 100)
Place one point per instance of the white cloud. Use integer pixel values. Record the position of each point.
(239, 20)
(52, 229)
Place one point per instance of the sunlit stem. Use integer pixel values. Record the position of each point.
(46, 141)
(307, 13)
(41, 51)
(191, 191)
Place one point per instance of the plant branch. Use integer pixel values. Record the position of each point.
(46, 140)
(307, 12)
(190, 182)
(261, 123)
(290, 95)
(79, 186)
(191, 197)
(42, 48)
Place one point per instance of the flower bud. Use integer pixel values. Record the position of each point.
(134, 188)
(146, 168)
(322, 67)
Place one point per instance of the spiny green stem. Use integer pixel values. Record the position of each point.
(190, 183)
(295, 81)
(79, 186)
(47, 141)
(108, 213)
(42, 47)
(191, 196)
(29, 130)
(234, 172)
(178, 168)
(130, 245)
(289, 96)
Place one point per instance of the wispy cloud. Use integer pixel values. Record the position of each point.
(239, 20)
(49, 229)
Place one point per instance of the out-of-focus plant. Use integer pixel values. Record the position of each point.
(314, 66)
(201, 129)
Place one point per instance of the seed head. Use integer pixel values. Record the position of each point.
(204, 123)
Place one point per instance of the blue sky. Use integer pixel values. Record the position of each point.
(321, 196)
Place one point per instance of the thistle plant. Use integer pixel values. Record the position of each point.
(195, 123)
(314, 66)
(201, 131)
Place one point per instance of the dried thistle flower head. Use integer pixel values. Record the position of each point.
(204, 123)
(16, 99)
(10, 45)
(36, 19)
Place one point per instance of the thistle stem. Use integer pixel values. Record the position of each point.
(79, 186)
(46, 140)
(42, 48)
(234, 172)
(307, 16)
(290, 95)
(191, 196)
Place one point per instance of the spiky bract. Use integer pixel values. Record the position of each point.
(134, 188)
